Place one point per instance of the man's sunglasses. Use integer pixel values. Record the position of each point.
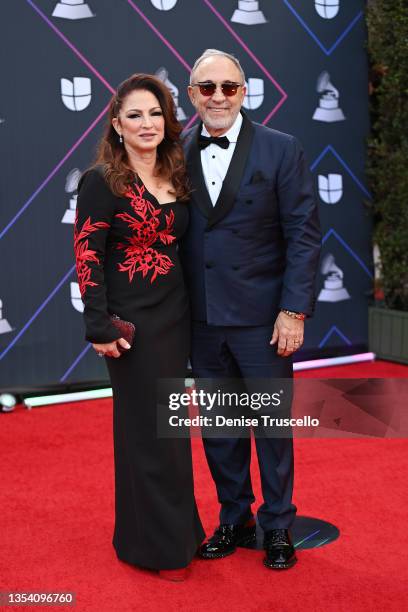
(208, 88)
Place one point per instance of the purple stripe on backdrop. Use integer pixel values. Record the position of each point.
(336, 330)
(343, 163)
(327, 51)
(344, 34)
(160, 35)
(71, 46)
(190, 122)
(274, 110)
(52, 173)
(254, 58)
(75, 363)
(37, 312)
(168, 45)
(332, 232)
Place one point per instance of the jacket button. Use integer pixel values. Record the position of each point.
(235, 267)
(234, 230)
(248, 201)
(209, 264)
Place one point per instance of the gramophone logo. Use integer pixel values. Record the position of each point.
(76, 94)
(327, 9)
(164, 5)
(248, 13)
(71, 185)
(333, 289)
(5, 326)
(328, 109)
(72, 9)
(76, 299)
(254, 94)
(163, 75)
(330, 188)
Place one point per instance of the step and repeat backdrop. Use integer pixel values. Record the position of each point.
(306, 71)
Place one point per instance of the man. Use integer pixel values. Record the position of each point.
(250, 257)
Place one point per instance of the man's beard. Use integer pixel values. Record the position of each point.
(218, 123)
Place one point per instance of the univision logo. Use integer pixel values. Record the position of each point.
(76, 299)
(254, 95)
(327, 9)
(164, 5)
(330, 188)
(76, 94)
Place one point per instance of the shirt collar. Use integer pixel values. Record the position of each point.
(232, 133)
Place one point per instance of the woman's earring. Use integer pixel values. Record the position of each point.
(120, 138)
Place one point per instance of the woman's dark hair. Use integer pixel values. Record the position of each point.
(112, 154)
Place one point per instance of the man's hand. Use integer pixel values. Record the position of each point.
(288, 333)
(110, 349)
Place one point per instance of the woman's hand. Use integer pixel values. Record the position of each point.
(110, 349)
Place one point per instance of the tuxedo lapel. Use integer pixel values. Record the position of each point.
(233, 178)
(200, 194)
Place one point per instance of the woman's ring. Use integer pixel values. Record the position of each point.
(100, 354)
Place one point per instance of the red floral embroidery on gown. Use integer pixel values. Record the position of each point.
(140, 256)
(83, 254)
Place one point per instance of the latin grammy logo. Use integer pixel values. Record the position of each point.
(76, 94)
(71, 185)
(163, 75)
(333, 289)
(5, 326)
(330, 188)
(72, 9)
(328, 109)
(248, 13)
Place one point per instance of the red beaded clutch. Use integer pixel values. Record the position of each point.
(126, 330)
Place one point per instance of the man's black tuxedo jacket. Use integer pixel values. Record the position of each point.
(257, 249)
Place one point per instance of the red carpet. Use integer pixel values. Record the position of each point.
(57, 519)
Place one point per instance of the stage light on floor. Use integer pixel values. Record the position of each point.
(7, 402)
(63, 398)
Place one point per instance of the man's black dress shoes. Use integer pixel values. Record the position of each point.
(280, 553)
(226, 538)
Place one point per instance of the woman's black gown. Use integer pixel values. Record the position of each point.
(128, 265)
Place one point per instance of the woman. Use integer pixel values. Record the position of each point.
(131, 212)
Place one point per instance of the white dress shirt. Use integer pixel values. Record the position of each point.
(215, 161)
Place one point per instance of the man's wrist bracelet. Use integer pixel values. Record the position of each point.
(294, 315)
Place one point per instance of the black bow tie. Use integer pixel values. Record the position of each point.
(221, 141)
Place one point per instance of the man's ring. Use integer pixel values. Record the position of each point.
(100, 354)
